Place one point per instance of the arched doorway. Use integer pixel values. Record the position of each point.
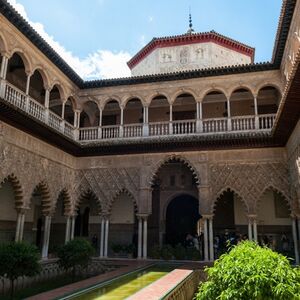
(181, 219)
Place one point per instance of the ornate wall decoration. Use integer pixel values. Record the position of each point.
(250, 181)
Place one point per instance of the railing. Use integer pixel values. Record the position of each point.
(184, 127)
(133, 130)
(266, 121)
(110, 132)
(243, 123)
(215, 125)
(159, 128)
(206, 126)
(88, 134)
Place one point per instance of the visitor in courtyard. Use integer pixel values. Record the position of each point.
(189, 241)
(95, 241)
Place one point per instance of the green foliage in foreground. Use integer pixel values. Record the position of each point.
(249, 271)
(75, 254)
(18, 259)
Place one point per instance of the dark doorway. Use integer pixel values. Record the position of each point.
(181, 219)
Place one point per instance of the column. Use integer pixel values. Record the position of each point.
(68, 226)
(199, 125)
(140, 234)
(102, 238)
(229, 115)
(211, 239)
(171, 120)
(122, 122)
(46, 237)
(73, 218)
(100, 124)
(294, 227)
(3, 73)
(28, 83)
(254, 229)
(106, 237)
(46, 104)
(145, 121)
(145, 237)
(20, 226)
(205, 240)
(256, 113)
(63, 110)
(250, 237)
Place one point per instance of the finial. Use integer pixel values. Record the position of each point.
(191, 30)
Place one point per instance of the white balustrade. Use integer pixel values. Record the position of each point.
(184, 127)
(88, 134)
(15, 96)
(215, 125)
(133, 130)
(243, 123)
(159, 128)
(110, 132)
(69, 130)
(266, 122)
(54, 121)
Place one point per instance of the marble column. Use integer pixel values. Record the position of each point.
(295, 238)
(256, 113)
(122, 122)
(145, 120)
(255, 229)
(46, 237)
(3, 73)
(106, 237)
(20, 226)
(102, 238)
(171, 120)
(211, 239)
(140, 235)
(145, 237)
(28, 83)
(229, 115)
(205, 235)
(68, 227)
(73, 218)
(250, 231)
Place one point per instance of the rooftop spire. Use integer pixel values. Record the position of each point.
(190, 30)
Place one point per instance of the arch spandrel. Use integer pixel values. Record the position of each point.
(25, 58)
(183, 91)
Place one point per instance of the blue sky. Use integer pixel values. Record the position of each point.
(97, 37)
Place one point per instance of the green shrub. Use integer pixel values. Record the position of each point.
(18, 259)
(155, 252)
(179, 252)
(166, 252)
(249, 271)
(75, 254)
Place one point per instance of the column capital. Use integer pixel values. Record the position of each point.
(252, 217)
(207, 217)
(142, 216)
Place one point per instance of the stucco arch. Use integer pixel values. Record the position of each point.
(110, 98)
(217, 89)
(89, 194)
(17, 188)
(183, 91)
(44, 75)
(3, 44)
(277, 190)
(65, 196)
(25, 58)
(233, 190)
(126, 99)
(47, 205)
(156, 168)
(267, 84)
(241, 87)
(60, 88)
(157, 94)
(117, 194)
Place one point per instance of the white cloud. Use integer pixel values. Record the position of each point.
(100, 64)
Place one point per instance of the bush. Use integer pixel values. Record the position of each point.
(167, 252)
(75, 254)
(18, 259)
(179, 252)
(249, 271)
(155, 252)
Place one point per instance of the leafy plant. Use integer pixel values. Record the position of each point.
(18, 259)
(249, 271)
(179, 252)
(117, 248)
(167, 252)
(155, 252)
(75, 254)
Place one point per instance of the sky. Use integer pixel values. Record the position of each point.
(97, 37)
